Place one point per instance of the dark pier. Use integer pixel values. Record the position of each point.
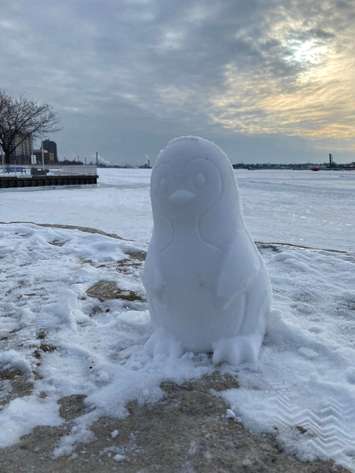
(66, 176)
(14, 181)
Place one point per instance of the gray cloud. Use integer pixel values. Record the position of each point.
(126, 75)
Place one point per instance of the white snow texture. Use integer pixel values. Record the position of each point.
(206, 281)
(304, 389)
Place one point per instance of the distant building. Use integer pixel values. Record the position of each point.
(23, 152)
(51, 148)
(38, 154)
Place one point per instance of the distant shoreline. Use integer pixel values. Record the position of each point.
(267, 166)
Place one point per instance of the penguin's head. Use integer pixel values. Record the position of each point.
(187, 177)
(191, 176)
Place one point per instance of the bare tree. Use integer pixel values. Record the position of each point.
(20, 119)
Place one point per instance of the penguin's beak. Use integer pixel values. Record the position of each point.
(181, 196)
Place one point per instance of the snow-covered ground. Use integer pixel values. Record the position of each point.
(305, 207)
(65, 342)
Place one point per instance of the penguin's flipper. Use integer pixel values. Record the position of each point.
(240, 265)
(152, 278)
(258, 305)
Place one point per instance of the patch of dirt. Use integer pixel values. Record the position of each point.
(215, 382)
(105, 290)
(72, 406)
(41, 334)
(17, 385)
(276, 246)
(133, 262)
(126, 266)
(268, 246)
(44, 348)
(136, 255)
(10, 374)
(95, 310)
(57, 242)
(187, 432)
(90, 261)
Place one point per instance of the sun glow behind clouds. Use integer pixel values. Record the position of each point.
(309, 51)
(317, 102)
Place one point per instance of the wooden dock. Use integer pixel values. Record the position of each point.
(37, 181)
(47, 176)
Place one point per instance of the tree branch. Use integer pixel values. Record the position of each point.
(20, 119)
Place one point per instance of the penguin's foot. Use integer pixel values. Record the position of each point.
(243, 349)
(163, 344)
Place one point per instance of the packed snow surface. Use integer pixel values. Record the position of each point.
(206, 287)
(304, 387)
(302, 207)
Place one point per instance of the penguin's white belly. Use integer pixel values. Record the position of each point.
(189, 306)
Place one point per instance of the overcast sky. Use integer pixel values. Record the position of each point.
(267, 80)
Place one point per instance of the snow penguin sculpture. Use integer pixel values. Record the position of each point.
(206, 282)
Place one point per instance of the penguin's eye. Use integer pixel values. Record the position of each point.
(200, 179)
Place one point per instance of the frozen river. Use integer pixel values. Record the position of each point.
(302, 207)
